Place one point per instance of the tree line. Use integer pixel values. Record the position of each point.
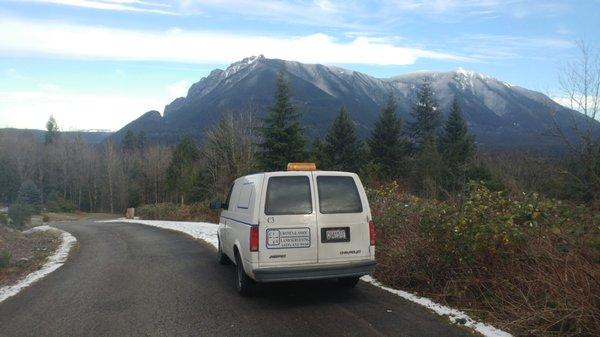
(432, 156)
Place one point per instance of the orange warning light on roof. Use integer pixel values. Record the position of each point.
(301, 166)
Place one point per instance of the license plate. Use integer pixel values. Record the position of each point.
(335, 234)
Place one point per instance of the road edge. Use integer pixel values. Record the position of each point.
(204, 232)
(53, 262)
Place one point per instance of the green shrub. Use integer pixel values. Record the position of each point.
(29, 194)
(527, 263)
(3, 219)
(176, 212)
(60, 205)
(4, 259)
(20, 214)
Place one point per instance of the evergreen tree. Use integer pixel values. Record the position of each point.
(29, 194)
(282, 135)
(20, 214)
(52, 131)
(457, 147)
(182, 171)
(427, 119)
(387, 143)
(141, 140)
(317, 154)
(426, 115)
(343, 149)
(428, 168)
(129, 141)
(10, 181)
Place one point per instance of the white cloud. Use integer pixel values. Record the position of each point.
(496, 47)
(23, 37)
(112, 5)
(30, 109)
(49, 86)
(179, 88)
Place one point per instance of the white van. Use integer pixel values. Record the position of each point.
(298, 224)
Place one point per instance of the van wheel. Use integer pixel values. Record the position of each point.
(221, 257)
(243, 282)
(348, 282)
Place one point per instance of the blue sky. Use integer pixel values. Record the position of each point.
(98, 64)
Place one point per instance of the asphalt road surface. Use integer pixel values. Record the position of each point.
(134, 280)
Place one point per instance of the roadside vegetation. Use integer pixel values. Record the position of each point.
(528, 264)
(511, 237)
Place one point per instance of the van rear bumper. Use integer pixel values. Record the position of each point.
(314, 272)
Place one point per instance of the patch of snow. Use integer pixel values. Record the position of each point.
(54, 262)
(208, 232)
(205, 231)
(239, 65)
(454, 315)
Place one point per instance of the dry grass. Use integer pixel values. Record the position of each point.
(78, 216)
(28, 252)
(176, 212)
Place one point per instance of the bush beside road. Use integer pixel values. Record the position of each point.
(526, 264)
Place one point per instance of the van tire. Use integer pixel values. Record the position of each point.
(243, 283)
(221, 257)
(348, 282)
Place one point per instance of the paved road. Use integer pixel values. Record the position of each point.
(133, 280)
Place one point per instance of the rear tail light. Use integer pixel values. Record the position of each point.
(254, 238)
(372, 232)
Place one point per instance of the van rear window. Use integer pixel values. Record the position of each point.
(338, 195)
(288, 195)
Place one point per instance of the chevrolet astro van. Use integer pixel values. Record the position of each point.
(299, 224)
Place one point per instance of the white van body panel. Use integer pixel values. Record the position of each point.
(272, 253)
(291, 245)
(358, 248)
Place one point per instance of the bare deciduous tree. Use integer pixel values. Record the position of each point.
(229, 151)
(580, 86)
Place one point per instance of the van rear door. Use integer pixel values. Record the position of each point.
(288, 223)
(342, 217)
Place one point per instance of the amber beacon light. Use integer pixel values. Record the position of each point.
(301, 166)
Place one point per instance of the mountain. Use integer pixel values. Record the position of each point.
(499, 114)
(93, 137)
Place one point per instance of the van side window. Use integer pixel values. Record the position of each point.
(245, 196)
(288, 195)
(228, 200)
(338, 195)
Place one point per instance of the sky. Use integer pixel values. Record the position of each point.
(99, 64)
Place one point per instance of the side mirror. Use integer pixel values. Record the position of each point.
(216, 204)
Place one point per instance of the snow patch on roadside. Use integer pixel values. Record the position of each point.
(455, 316)
(208, 232)
(54, 262)
(205, 231)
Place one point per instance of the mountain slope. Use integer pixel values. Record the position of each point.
(87, 136)
(500, 115)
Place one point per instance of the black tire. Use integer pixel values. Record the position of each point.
(243, 283)
(221, 257)
(348, 282)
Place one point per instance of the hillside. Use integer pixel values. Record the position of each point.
(499, 114)
(87, 136)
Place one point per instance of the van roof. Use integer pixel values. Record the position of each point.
(288, 172)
